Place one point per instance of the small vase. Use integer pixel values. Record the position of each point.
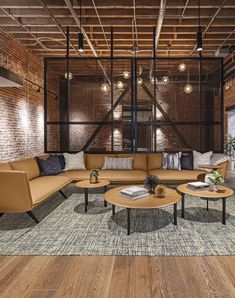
(214, 187)
(94, 179)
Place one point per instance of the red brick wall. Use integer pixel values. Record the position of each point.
(21, 109)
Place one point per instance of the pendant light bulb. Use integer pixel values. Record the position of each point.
(120, 85)
(126, 74)
(181, 67)
(70, 76)
(165, 80)
(199, 40)
(139, 81)
(152, 80)
(105, 88)
(188, 88)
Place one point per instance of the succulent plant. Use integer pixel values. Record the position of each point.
(151, 182)
(94, 172)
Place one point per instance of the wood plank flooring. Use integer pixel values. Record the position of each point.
(121, 276)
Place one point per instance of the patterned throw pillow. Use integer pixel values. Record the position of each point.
(49, 166)
(115, 163)
(171, 161)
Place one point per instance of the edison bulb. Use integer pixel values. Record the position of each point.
(152, 80)
(188, 88)
(120, 85)
(105, 88)
(126, 74)
(165, 80)
(139, 81)
(181, 67)
(70, 75)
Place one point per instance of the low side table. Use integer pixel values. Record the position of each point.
(86, 185)
(223, 193)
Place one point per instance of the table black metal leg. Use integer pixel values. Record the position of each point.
(207, 204)
(224, 211)
(128, 220)
(182, 206)
(105, 189)
(175, 214)
(86, 198)
(113, 209)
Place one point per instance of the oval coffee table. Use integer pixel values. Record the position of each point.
(114, 197)
(85, 184)
(223, 193)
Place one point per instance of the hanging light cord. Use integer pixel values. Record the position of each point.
(80, 15)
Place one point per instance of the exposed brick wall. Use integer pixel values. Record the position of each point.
(229, 101)
(21, 112)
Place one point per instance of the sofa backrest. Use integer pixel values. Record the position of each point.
(5, 166)
(29, 165)
(139, 160)
(154, 161)
(96, 161)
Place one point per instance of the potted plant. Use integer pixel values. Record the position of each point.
(216, 178)
(229, 147)
(94, 176)
(150, 183)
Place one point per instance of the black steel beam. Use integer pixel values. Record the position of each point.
(94, 134)
(165, 115)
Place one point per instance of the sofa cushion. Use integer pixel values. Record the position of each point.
(139, 160)
(154, 161)
(187, 161)
(49, 166)
(96, 161)
(5, 167)
(128, 176)
(43, 187)
(118, 163)
(176, 175)
(202, 159)
(171, 161)
(74, 161)
(30, 166)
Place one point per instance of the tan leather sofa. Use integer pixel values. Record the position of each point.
(22, 188)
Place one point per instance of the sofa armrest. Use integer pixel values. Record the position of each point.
(15, 195)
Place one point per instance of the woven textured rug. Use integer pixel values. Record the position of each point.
(66, 230)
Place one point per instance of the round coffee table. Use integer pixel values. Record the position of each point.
(114, 197)
(85, 184)
(223, 193)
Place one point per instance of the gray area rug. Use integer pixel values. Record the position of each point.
(66, 230)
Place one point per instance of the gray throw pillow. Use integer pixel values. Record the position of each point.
(171, 161)
(49, 166)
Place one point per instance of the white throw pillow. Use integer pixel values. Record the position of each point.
(219, 158)
(201, 159)
(74, 161)
(115, 163)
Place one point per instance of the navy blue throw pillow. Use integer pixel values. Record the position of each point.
(187, 162)
(61, 160)
(49, 166)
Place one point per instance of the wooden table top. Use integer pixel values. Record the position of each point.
(210, 167)
(87, 184)
(114, 197)
(223, 192)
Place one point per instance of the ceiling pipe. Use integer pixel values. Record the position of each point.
(211, 21)
(57, 24)
(23, 26)
(162, 10)
(75, 16)
(101, 25)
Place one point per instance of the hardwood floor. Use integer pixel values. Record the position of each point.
(75, 276)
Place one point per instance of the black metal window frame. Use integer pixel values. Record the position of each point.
(134, 122)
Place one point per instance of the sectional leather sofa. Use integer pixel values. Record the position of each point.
(22, 188)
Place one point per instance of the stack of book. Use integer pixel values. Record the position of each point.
(134, 192)
(198, 185)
